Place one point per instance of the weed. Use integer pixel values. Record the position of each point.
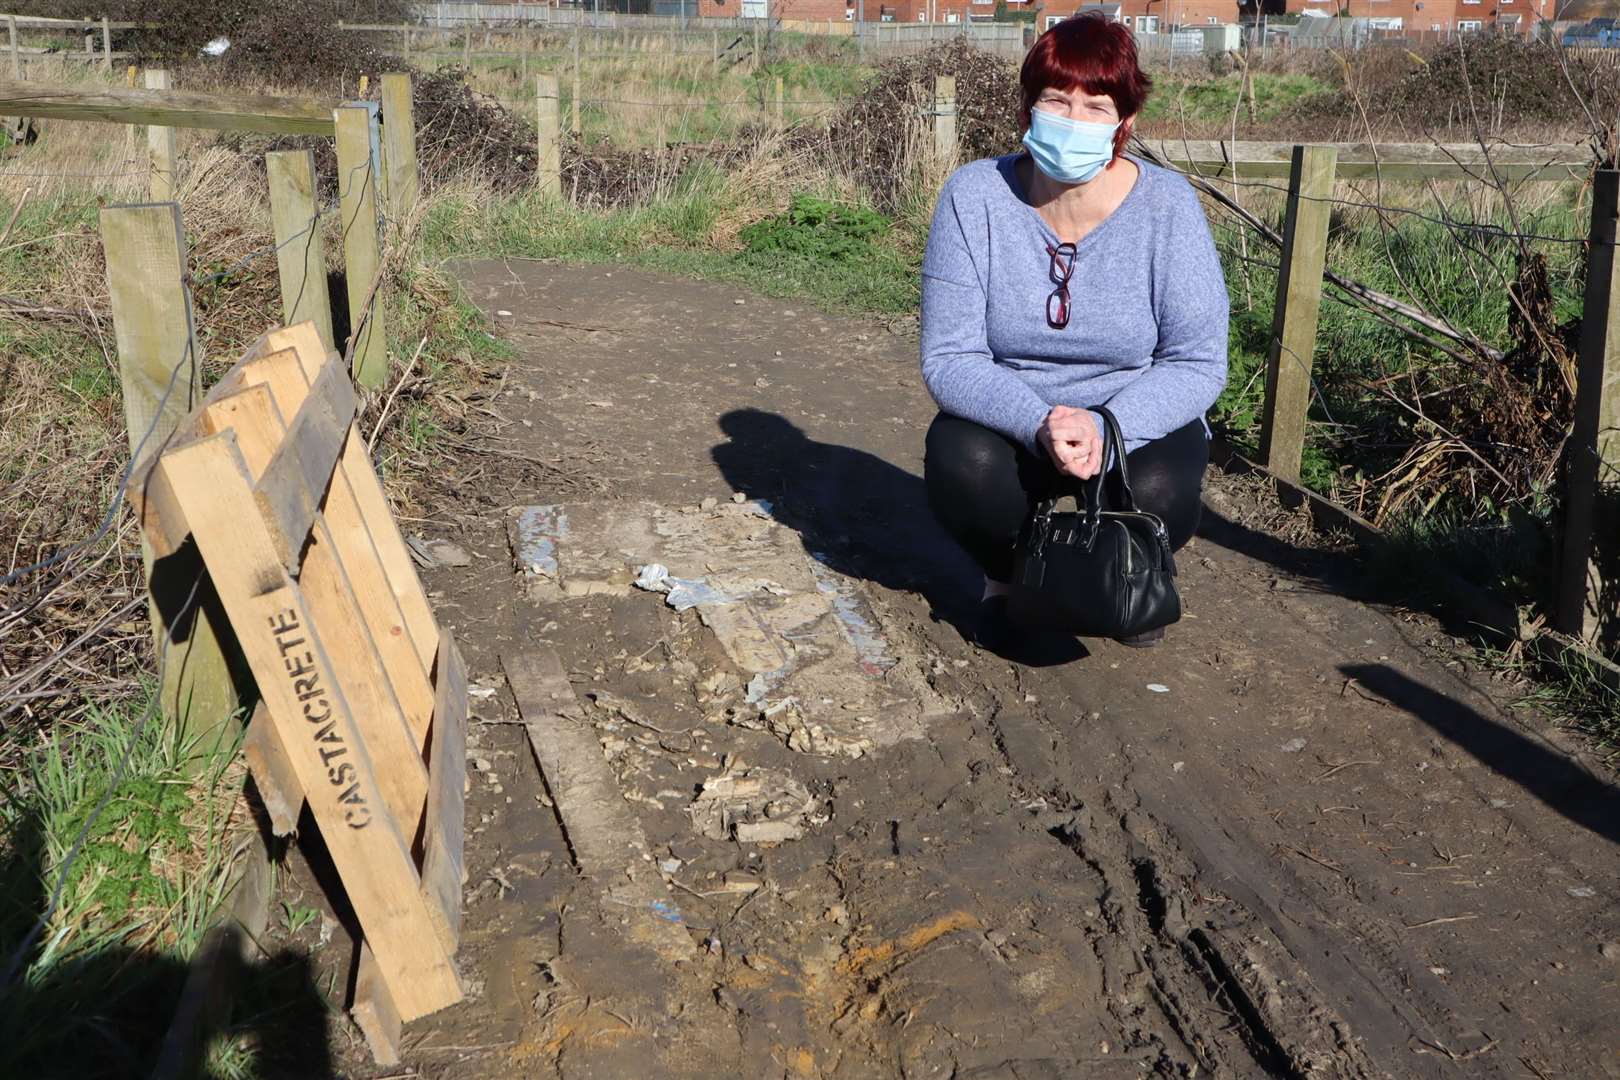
(816, 229)
(296, 917)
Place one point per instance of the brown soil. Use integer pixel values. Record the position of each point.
(1297, 840)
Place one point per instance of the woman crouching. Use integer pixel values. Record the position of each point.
(1058, 280)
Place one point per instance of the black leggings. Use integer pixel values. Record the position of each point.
(983, 485)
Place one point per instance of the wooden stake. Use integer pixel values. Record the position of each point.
(16, 54)
(106, 44)
(945, 120)
(576, 123)
(781, 115)
(1589, 581)
(158, 360)
(548, 169)
(1299, 301)
(357, 133)
(399, 145)
(300, 247)
(160, 146)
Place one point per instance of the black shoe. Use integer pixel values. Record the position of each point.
(993, 631)
(1143, 641)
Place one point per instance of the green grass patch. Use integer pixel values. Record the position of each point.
(1210, 100)
(874, 269)
(99, 986)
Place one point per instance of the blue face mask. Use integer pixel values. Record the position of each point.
(1069, 151)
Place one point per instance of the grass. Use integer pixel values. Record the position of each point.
(98, 988)
(876, 274)
(1207, 104)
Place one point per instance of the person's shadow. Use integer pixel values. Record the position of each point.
(866, 518)
(85, 1009)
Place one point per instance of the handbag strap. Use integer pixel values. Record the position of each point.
(1113, 447)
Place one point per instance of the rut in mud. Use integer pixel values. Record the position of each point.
(1296, 841)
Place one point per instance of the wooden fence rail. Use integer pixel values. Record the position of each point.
(168, 108)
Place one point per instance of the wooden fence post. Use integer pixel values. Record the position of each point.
(781, 114)
(160, 146)
(576, 123)
(16, 54)
(945, 120)
(357, 140)
(399, 145)
(548, 169)
(300, 248)
(1589, 579)
(1299, 301)
(157, 368)
(466, 51)
(106, 44)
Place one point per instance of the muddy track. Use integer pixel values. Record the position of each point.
(1294, 842)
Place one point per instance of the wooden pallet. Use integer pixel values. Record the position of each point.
(364, 699)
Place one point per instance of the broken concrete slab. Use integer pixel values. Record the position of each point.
(810, 648)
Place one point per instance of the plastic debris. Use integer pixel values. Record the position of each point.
(1158, 688)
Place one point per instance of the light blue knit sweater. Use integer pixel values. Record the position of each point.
(1148, 314)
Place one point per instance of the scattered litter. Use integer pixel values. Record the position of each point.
(680, 593)
(1158, 688)
(481, 691)
(754, 806)
(738, 497)
(1292, 746)
(431, 554)
(503, 313)
(665, 910)
(670, 865)
(1582, 892)
(600, 404)
(1178, 766)
(762, 382)
(482, 764)
(739, 302)
(708, 504)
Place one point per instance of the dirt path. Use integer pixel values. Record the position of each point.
(1295, 841)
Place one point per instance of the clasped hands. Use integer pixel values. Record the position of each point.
(1071, 439)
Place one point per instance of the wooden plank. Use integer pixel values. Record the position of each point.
(1588, 585)
(548, 169)
(444, 833)
(374, 553)
(251, 418)
(399, 146)
(357, 139)
(303, 692)
(373, 1010)
(1387, 161)
(1299, 301)
(300, 247)
(169, 108)
(604, 836)
(162, 158)
(158, 361)
(278, 786)
(945, 119)
(42, 21)
(293, 485)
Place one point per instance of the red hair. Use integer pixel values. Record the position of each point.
(1092, 54)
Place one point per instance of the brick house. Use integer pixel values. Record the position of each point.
(1418, 17)
(1145, 16)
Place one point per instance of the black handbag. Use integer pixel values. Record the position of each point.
(1100, 573)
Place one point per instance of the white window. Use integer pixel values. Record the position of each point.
(1467, 25)
(951, 17)
(1147, 24)
(849, 15)
(1053, 20)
